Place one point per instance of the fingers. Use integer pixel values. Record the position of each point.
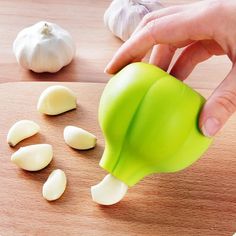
(188, 59)
(220, 106)
(158, 14)
(162, 55)
(193, 55)
(166, 30)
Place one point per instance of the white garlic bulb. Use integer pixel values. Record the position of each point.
(123, 16)
(44, 47)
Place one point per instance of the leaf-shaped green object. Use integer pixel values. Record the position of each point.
(150, 123)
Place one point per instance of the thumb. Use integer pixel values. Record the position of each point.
(220, 106)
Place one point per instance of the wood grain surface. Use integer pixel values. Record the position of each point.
(95, 44)
(200, 200)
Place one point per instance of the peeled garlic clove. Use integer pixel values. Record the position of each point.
(109, 191)
(33, 157)
(44, 47)
(79, 138)
(56, 99)
(21, 130)
(122, 16)
(55, 185)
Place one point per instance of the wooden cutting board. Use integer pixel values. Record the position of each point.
(200, 200)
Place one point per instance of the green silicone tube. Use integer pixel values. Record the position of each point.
(150, 124)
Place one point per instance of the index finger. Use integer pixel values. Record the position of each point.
(166, 30)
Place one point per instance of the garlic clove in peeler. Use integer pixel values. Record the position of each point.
(149, 120)
(109, 191)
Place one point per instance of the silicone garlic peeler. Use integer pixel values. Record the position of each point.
(150, 123)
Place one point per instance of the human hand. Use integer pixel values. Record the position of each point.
(205, 28)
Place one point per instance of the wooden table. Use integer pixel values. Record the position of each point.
(200, 200)
(95, 44)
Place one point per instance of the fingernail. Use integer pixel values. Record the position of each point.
(106, 70)
(211, 127)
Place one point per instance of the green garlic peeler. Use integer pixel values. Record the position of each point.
(150, 123)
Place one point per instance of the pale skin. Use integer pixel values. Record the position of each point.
(203, 29)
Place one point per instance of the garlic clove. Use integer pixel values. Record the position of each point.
(122, 16)
(55, 185)
(55, 100)
(109, 191)
(33, 157)
(44, 47)
(21, 130)
(79, 138)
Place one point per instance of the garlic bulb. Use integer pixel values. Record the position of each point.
(44, 47)
(123, 16)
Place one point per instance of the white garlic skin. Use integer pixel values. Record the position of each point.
(109, 191)
(21, 130)
(123, 16)
(79, 138)
(56, 99)
(33, 157)
(44, 47)
(55, 185)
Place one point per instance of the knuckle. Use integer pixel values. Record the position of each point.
(192, 61)
(227, 100)
(172, 48)
(147, 18)
(150, 28)
(213, 6)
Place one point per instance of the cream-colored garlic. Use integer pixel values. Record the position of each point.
(21, 130)
(55, 185)
(79, 138)
(109, 191)
(33, 157)
(123, 16)
(55, 100)
(44, 47)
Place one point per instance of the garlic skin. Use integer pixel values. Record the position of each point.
(33, 157)
(44, 47)
(56, 99)
(123, 16)
(79, 138)
(21, 130)
(55, 185)
(109, 191)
